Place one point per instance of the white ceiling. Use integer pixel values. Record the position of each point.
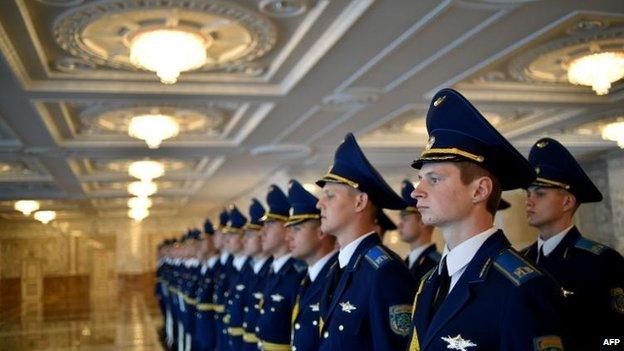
(365, 66)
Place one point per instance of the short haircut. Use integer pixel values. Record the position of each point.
(469, 171)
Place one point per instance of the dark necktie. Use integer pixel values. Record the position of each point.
(443, 288)
(334, 282)
(540, 255)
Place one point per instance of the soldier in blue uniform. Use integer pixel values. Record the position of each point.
(308, 243)
(256, 277)
(188, 287)
(367, 303)
(222, 274)
(241, 263)
(423, 254)
(591, 274)
(483, 295)
(204, 337)
(280, 292)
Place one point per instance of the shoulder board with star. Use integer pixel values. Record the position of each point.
(435, 255)
(377, 256)
(515, 268)
(590, 245)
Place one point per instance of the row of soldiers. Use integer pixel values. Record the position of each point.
(312, 273)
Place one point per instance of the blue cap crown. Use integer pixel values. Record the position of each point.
(208, 228)
(237, 221)
(406, 193)
(256, 211)
(278, 205)
(303, 204)
(385, 222)
(556, 167)
(223, 219)
(352, 168)
(459, 132)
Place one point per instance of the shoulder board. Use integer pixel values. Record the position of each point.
(377, 256)
(515, 268)
(589, 245)
(435, 255)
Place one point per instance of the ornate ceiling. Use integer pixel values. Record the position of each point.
(283, 82)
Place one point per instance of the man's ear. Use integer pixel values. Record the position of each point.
(361, 200)
(569, 201)
(482, 189)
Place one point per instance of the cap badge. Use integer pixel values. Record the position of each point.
(439, 101)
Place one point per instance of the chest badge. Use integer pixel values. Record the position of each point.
(458, 343)
(347, 307)
(277, 297)
(314, 307)
(240, 287)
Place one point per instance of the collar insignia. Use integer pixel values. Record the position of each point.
(277, 297)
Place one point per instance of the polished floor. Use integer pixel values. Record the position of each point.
(70, 318)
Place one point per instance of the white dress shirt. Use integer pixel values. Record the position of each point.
(457, 259)
(345, 253)
(278, 263)
(224, 257)
(259, 263)
(239, 261)
(551, 244)
(316, 268)
(415, 254)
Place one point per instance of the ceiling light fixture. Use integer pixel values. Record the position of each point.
(142, 189)
(615, 132)
(168, 52)
(138, 214)
(140, 202)
(146, 170)
(153, 128)
(26, 206)
(45, 216)
(597, 70)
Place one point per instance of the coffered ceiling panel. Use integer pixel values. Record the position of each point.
(282, 82)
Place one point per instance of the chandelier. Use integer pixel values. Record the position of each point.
(153, 128)
(615, 132)
(168, 52)
(146, 170)
(26, 206)
(138, 214)
(142, 189)
(597, 70)
(140, 202)
(45, 216)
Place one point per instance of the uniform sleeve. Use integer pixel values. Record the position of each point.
(532, 319)
(390, 306)
(612, 298)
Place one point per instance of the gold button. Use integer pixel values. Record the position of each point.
(246, 309)
(294, 348)
(245, 325)
(314, 322)
(341, 327)
(326, 335)
(272, 309)
(297, 326)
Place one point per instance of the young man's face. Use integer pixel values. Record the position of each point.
(251, 243)
(304, 239)
(217, 240)
(410, 226)
(206, 245)
(544, 205)
(442, 196)
(235, 243)
(337, 205)
(273, 237)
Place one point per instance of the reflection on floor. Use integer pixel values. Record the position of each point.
(68, 319)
